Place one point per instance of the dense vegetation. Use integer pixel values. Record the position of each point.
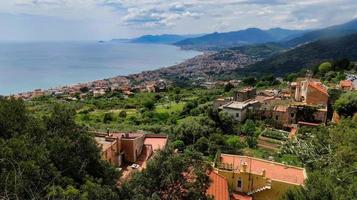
(306, 56)
(329, 153)
(50, 157)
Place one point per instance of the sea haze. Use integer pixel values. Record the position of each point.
(26, 66)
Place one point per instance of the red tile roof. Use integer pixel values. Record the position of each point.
(318, 86)
(218, 187)
(275, 171)
(346, 83)
(241, 196)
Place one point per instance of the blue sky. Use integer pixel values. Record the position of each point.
(106, 19)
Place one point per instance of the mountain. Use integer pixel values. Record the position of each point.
(216, 40)
(306, 56)
(161, 39)
(329, 32)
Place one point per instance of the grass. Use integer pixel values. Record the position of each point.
(171, 107)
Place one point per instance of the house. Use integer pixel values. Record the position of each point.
(346, 85)
(244, 94)
(240, 110)
(311, 92)
(221, 101)
(118, 148)
(258, 178)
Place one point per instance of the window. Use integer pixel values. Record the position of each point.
(239, 184)
(276, 117)
(292, 114)
(237, 115)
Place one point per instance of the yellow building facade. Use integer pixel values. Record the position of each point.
(258, 178)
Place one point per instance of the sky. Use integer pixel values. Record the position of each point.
(108, 19)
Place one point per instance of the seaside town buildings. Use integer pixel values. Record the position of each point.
(305, 103)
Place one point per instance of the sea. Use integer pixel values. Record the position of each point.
(25, 66)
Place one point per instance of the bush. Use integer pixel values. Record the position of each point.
(346, 105)
(108, 117)
(325, 67)
(122, 114)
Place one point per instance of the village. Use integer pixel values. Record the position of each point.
(304, 103)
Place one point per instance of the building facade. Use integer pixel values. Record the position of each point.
(258, 178)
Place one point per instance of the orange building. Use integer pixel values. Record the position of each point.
(311, 92)
(118, 148)
(257, 178)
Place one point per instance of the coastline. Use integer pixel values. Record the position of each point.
(23, 75)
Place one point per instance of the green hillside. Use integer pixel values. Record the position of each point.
(306, 56)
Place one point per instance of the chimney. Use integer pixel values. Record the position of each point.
(126, 135)
(245, 166)
(263, 173)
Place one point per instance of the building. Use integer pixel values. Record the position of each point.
(241, 110)
(244, 94)
(221, 101)
(346, 85)
(118, 148)
(310, 92)
(258, 178)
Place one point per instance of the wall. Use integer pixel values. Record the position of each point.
(132, 147)
(241, 113)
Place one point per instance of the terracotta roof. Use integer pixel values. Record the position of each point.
(346, 83)
(281, 108)
(318, 86)
(218, 187)
(308, 123)
(158, 143)
(275, 171)
(241, 196)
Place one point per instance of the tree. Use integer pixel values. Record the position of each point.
(346, 105)
(178, 144)
(170, 176)
(249, 81)
(108, 117)
(49, 158)
(234, 142)
(325, 67)
(329, 153)
(228, 87)
(202, 145)
(149, 104)
(249, 127)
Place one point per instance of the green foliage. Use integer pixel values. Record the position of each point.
(108, 117)
(249, 127)
(228, 87)
(325, 67)
(202, 145)
(235, 142)
(170, 176)
(122, 114)
(49, 158)
(249, 81)
(346, 105)
(178, 144)
(329, 153)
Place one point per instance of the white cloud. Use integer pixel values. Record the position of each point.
(124, 18)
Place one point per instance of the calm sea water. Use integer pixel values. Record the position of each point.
(32, 65)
